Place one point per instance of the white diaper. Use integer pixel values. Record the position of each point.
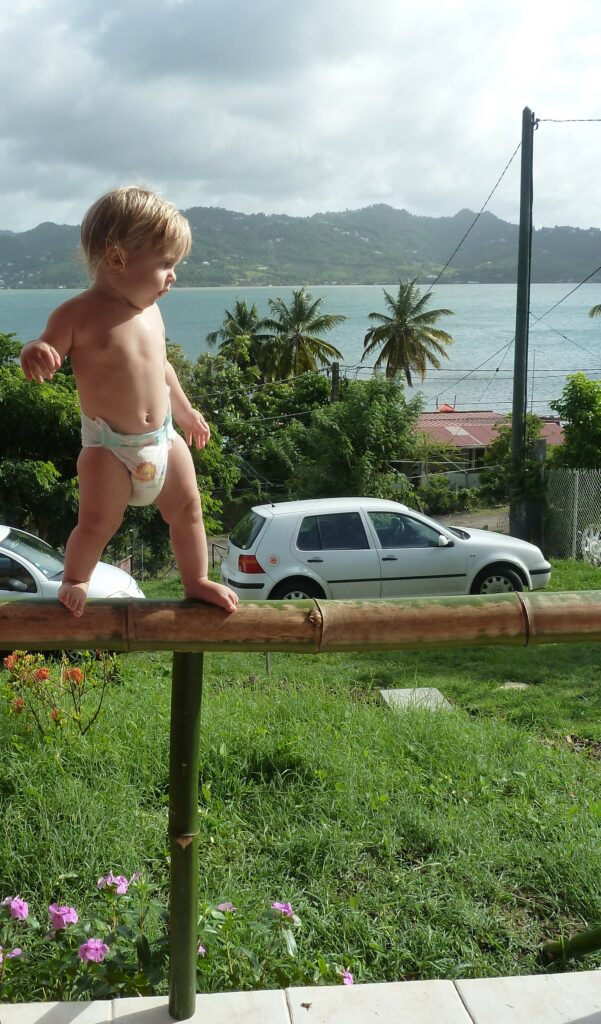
(144, 455)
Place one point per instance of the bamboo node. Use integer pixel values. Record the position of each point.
(186, 839)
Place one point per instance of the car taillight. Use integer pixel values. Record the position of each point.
(248, 563)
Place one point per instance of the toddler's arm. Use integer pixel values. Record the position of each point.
(40, 359)
(193, 424)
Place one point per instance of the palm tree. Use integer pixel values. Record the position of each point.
(595, 311)
(407, 340)
(240, 335)
(294, 344)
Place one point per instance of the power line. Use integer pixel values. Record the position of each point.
(478, 215)
(570, 120)
(560, 333)
(567, 295)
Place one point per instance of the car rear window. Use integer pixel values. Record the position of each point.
(247, 530)
(340, 531)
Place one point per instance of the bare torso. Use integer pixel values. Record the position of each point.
(118, 359)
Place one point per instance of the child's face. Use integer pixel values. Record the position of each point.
(147, 276)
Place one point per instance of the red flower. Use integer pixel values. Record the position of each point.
(74, 675)
(41, 674)
(10, 661)
(18, 705)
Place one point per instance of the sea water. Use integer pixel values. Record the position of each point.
(478, 373)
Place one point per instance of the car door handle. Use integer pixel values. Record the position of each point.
(315, 559)
(389, 558)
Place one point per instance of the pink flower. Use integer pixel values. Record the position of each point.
(18, 907)
(10, 956)
(347, 978)
(226, 907)
(93, 951)
(60, 917)
(118, 883)
(285, 908)
(201, 950)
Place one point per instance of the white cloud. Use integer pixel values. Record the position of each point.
(297, 106)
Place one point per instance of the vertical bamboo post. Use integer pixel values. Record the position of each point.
(186, 697)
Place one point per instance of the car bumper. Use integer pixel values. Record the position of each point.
(540, 576)
(247, 588)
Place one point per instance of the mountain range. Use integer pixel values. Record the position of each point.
(374, 245)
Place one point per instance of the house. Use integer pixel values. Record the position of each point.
(470, 432)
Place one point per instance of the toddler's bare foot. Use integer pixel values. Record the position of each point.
(214, 593)
(73, 596)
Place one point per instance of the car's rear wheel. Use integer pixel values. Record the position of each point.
(295, 589)
(497, 579)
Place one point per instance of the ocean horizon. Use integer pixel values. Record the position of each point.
(478, 373)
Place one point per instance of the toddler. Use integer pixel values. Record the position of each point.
(114, 335)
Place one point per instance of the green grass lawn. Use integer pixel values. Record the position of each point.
(414, 845)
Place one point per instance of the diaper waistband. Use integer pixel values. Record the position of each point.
(97, 432)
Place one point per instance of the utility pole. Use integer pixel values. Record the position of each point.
(517, 510)
(335, 384)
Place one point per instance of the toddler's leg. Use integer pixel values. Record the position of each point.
(179, 505)
(104, 491)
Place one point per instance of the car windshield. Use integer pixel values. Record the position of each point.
(462, 534)
(247, 530)
(36, 551)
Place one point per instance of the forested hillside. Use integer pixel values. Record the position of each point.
(375, 245)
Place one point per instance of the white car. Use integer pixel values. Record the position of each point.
(30, 568)
(366, 547)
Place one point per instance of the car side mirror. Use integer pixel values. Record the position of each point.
(444, 542)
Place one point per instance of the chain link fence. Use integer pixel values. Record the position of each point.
(572, 518)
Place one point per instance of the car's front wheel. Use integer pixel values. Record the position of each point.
(497, 579)
(295, 589)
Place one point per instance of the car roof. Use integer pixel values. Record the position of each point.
(317, 505)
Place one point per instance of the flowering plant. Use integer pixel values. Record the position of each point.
(57, 699)
(107, 955)
(121, 949)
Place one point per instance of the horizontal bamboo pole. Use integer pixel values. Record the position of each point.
(309, 627)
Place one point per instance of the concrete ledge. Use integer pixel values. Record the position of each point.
(536, 999)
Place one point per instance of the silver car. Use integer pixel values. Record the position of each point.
(30, 568)
(366, 547)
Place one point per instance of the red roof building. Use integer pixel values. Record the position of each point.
(471, 432)
(476, 429)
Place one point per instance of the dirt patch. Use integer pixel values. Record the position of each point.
(495, 519)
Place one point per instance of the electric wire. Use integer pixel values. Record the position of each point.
(478, 215)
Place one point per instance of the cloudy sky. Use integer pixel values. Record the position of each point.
(298, 106)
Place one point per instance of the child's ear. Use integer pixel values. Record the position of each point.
(114, 258)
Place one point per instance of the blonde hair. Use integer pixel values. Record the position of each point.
(127, 219)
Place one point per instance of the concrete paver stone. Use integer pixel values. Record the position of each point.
(417, 696)
(404, 1002)
(215, 1008)
(56, 1013)
(535, 999)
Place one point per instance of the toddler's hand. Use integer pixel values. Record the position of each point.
(39, 361)
(195, 428)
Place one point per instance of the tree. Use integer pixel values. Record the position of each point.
(595, 311)
(498, 481)
(580, 410)
(240, 335)
(406, 339)
(294, 344)
(349, 445)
